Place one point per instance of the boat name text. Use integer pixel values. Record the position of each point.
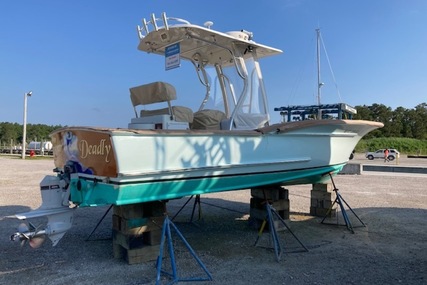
(101, 149)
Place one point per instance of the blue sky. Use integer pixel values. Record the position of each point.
(80, 57)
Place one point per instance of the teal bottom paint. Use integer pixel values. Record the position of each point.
(98, 193)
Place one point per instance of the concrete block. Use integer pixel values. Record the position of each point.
(322, 187)
(351, 168)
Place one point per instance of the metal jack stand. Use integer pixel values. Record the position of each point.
(99, 222)
(340, 201)
(166, 233)
(271, 213)
(196, 203)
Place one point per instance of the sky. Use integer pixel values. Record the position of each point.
(79, 58)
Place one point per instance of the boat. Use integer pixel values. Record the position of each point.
(228, 143)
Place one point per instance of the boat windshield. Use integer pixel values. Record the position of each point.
(241, 98)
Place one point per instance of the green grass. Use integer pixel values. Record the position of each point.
(404, 145)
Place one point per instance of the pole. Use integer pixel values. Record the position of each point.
(24, 132)
(319, 83)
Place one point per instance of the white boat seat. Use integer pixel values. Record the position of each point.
(208, 120)
(158, 92)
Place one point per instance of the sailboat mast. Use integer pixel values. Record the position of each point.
(319, 83)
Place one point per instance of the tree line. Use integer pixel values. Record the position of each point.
(398, 123)
(12, 133)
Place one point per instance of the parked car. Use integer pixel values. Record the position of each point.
(392, 154)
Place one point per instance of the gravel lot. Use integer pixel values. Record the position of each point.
(391, 249)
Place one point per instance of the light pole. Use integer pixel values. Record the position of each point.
(24, 135)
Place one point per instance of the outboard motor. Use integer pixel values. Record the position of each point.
(55, 206)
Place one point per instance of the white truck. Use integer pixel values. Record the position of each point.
(392, 154)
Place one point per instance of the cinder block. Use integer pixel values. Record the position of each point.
(320, 195)
(280, 205)
(323, 187)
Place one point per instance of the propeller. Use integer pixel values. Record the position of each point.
(37, 241)
(28, 232)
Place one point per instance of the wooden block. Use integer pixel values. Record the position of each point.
(128, 241)
(152, 237)
(257, 213)
(141, 225)
(282, 204)
(144, 254)
(116, 222)
(140, 210)
(117, 210)
(284, 214)
(138, 255)
(118, 251)
(257, 203)
(272, 193)
(131, 211)
(155, 209)
(284, 194)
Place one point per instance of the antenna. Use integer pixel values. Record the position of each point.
(319, 83)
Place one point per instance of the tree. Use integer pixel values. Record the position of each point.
(9, 131)
(402, 122)
(420, 122)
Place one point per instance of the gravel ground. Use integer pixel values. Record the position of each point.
(391, 249)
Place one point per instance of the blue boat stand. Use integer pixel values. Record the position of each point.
(340, 201)
(166, 235)
(271, 215)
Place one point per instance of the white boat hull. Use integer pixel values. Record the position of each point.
(121, 166)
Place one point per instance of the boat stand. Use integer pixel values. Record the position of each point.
(99, 222)
(166, 235)
(340, 201)
(196, 203)
(271, 214)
